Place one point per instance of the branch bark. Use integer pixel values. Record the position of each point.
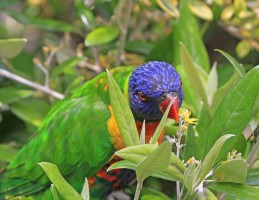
(31, 84)
(123, 24)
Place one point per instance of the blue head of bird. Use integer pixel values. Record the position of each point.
(152, 86)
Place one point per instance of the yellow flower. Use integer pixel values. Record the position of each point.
(185, 117)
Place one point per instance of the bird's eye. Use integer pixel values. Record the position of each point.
(142, 96)
(163, 97)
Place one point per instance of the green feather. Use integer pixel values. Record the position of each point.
(74, 136)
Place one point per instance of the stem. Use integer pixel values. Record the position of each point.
(231, 30)
(138, 189)
(97, 61)
(204, 28)
(124, 30)
(45, 72)
(178, 190)
(222, 196)
(179, 135)
(24, 81)
(252, 156)
(91, 66)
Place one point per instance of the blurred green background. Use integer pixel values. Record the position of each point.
(69, 42)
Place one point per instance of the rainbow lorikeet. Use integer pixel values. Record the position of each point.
(80, 134)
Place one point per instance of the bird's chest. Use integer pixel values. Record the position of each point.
(150, 129)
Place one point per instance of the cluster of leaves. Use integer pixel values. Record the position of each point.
(152, 160)
(103, 34)
(238, 17)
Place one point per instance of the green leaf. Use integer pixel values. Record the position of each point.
(136, 154)
(237, 190)
(162, 50)
(174, 171)
(210, 159)
(11, 94)
(161, 125)
(64, 189)
(240, 5)
(30, 110)
(223, 91)
(234, 113)
(227, 12)
(206, 194)
(182, 30)
(11, 47)
(168, 7)
(189, 178)
(243, 48)
(140, 47)
(157, 161)
(193, 74)
(122, 113)
(192, 143)
(54, 192)
(66, 66)
(212, 84)
(201, 10)
(253, 176)
(7, 3)
(7, 153)
(231, 171)
(102, 35)
(75, 83)
(149, 193)
(225, 72)
(240, 69)
(196, 141)
(85, 13)
(122, 164)
(191, 98)
(22, 198)
(85, 192)
(44, 23)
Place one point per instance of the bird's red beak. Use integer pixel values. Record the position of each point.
(166, 100)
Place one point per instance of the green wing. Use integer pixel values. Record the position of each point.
(74, 136)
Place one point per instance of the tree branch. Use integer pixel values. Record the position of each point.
(24, 81)
(124, 29)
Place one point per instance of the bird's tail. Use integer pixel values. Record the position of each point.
(13, 187)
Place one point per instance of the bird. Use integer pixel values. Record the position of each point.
(80, 134)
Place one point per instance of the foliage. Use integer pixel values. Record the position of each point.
(48, 49)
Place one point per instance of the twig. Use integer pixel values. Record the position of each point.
(44, 71)
(24, 81)
(124, 30)
(95, 68)
(252, 157)
(96, 58)
(179, 146)
(222, 196)
(231, 30)
(178, 149)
